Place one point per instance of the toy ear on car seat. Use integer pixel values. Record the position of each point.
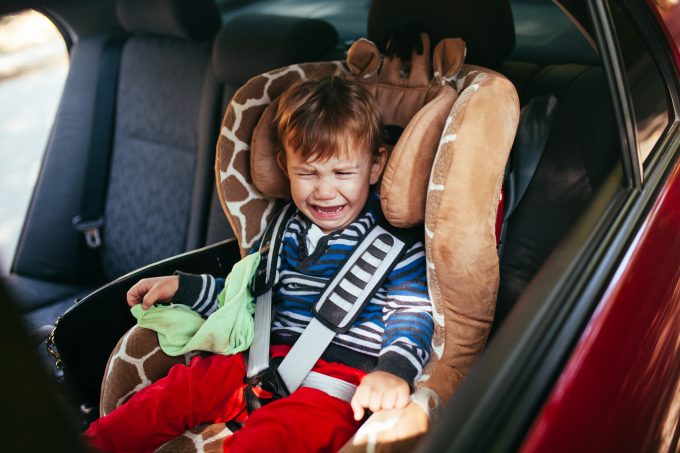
(363, 59)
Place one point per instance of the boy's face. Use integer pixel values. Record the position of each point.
(332, 193)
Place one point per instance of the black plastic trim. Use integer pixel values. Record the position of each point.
(89, 330)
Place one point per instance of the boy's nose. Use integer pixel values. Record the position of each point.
(324, 190)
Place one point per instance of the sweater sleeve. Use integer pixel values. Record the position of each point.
(407, 315)
(199, 292)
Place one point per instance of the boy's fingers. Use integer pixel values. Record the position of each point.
(389, 399)
(402, 399)
(357, 408)
(136, 293)
(375, 400)
(151, 297)
(360, 401)
(358, 412)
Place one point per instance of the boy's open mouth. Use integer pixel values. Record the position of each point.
(328, 211)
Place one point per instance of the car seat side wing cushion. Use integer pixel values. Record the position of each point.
(462, 201)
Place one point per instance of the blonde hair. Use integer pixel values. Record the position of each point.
(316, 117)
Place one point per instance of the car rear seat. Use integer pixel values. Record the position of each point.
(581, 151)
(162, 131)
(169, 106)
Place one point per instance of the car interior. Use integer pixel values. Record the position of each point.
(173, 81)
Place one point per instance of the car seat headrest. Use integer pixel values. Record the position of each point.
(244, 49)
(486, 25)
(411, 95)
(197, 20)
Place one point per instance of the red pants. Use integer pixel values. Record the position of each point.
(210, 390)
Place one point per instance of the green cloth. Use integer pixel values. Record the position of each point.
(228, 330)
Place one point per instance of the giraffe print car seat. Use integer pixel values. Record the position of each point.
(445, 171)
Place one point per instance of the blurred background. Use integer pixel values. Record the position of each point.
(33, 67)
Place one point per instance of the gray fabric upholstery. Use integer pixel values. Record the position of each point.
(242, 50)
(155, 152)
(50, 248)
(209, 119)
(195, 19)
(32, 293)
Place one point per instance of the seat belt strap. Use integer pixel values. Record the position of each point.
(330, 385)
(263, 282)
(341, 302)
(91, 217)
(258, 353)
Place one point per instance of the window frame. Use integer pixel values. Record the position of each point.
(646, 24)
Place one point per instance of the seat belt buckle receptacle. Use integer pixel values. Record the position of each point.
(90, 229)
(268, 380)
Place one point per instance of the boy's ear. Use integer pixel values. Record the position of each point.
(379, 161)
(282, 162)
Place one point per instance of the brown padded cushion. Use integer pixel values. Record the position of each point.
(419, 102)
(460, 241)
(404, 186)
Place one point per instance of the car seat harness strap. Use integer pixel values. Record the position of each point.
(263, 282)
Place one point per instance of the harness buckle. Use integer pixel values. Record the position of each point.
(265, 387)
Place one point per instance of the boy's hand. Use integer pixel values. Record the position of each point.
(380, 390)
(148, 291)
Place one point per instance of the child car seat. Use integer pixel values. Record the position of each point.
(453, 152)
(445, 170)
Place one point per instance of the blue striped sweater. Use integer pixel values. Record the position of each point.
(394, 331)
